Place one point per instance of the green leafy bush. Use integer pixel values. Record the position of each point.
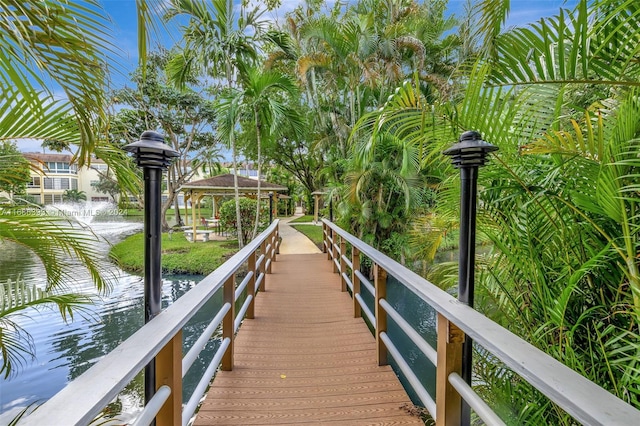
(247, 214)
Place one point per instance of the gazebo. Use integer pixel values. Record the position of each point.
(221, 186)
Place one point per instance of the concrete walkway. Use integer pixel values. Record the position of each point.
(294, 242)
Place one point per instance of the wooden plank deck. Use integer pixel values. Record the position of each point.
(304, 359)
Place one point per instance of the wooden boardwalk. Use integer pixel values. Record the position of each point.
(304, 359)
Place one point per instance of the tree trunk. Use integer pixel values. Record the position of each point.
(236, 190)
(176, 207)
(259, 143)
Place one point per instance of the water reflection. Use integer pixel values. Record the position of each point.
(423, 319)
(16, 261)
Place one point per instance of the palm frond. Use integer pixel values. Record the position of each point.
(59, 42)
(55, 239)
(579, 46)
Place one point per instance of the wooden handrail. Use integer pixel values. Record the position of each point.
(584, 400)
(84, 398)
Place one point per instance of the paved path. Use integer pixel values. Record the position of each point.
(294, 242)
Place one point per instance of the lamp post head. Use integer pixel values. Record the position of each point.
(151, 151)
(470, 151)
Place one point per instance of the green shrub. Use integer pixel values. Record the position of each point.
(247, 215)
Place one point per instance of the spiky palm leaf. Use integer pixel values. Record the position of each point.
(60, 42)
(55, 239)
(594, 43)
(16, 297)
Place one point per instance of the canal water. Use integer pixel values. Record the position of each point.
(66, 350)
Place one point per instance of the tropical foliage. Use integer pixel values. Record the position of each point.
(218, 42)
(74, 196)
(184, 117)
(47, 47)
(359, 100)
(248, 209)
(560, 101)
(14, 169)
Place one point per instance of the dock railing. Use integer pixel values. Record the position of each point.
(584, 400)
(82, 400)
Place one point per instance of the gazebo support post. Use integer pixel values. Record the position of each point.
(194, 224)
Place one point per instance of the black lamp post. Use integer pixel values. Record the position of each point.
(270, 207)
(154, 156)
(469, 154)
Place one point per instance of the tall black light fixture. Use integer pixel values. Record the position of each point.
(154, 157)
(270, 207)
(468, 155)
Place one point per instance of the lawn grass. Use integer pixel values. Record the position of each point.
(179, 256)
(305, 218)
(313, 232)
(205, 212)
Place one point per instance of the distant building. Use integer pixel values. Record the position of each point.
(57, 174)
(248, 170)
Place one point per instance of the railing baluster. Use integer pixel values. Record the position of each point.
(448, 400)
(169, 373)
(334, 251)
(251, 285)
(355, 279)
(274, 244)
(324, 237)
(343, 266)
(228, 321)
(381, 316)
(271, 248)
(263, 264)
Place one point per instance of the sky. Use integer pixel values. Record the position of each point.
(123, 17)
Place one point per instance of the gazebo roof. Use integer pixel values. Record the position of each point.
(224, 184)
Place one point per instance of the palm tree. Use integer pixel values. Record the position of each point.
(74, 195)
(262, 98)
(217, 41)
(67, 44)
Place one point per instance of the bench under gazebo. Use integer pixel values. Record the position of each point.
(221, 186)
